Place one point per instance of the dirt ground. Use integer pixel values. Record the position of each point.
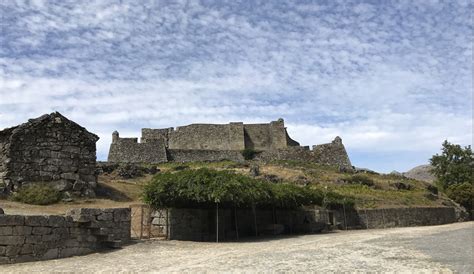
(440, 249)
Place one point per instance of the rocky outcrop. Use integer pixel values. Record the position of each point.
(421, 173)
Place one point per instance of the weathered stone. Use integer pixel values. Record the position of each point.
(56, 221)
(51, 254)
(6, 230)
(79, 185)
(12, 240)
(26, 249)
(41, 230)
(105, 217)
(3, 249)
(36, 220)
(22, 230)
(33, 239)
(11, 220)
(122, 214)
(62, 185)
(1, 210)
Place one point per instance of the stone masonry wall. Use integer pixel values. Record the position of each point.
(396, 217)
(128, 150)
(333, 153)
(81, 231)
(183, 155)
(201, 137)
(52, 148)
(200, 224)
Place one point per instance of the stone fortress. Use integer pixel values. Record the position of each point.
(215, 142)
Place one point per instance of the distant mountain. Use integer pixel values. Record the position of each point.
(422, 173)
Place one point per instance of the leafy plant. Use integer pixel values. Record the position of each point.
(203, 188)
(462, 194)
(37, 194)
(455, 165)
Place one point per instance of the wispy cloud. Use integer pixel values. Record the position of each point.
(392, 78)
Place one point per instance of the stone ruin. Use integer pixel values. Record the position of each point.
(215, 142)
(50, 148)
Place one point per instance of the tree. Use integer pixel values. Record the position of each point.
(455, 165)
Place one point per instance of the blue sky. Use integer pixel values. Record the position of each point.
(392, 78)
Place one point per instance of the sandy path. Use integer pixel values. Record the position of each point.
(363, 250)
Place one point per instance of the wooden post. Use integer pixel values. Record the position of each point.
(141, 221)
(255, 219)
(236, 225)
(217, 222)
(344, 211)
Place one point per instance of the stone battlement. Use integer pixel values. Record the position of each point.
(215, 142)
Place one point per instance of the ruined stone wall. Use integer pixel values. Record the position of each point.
(81, 231)
(52, 148)
(184, 155)
(333, 153)
(128, 150)
(395, 217)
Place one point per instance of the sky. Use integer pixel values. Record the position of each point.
(393, 79)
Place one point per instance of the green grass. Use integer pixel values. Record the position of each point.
(37, 194)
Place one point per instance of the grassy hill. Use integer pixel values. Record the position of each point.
(368, 190)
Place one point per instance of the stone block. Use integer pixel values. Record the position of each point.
(68, 252)
(33, 239)
(70, 176)
(13, 250)
(36, 220)
(122, 214)
(56, 221)
(24, 258)
(50, 254)
(26, 249)
(3, 249)
(12, 240)
(71, 243)
(51, 238)
(6, 230)
(62, 185)
(105, 216)
(4, 260)
(22, 230)
(8, 220)
(41, 230)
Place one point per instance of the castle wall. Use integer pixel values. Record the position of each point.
(201, 136)
(52, 148)
(288, 154)
(185, 155)
(156, 134)
(128, 150)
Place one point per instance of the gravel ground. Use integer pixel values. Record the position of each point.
(441, 249)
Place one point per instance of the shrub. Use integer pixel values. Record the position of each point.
(249, 153)
(462, 194)
(37, 194)
(203, 188)
(361, 179)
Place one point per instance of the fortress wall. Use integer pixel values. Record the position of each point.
(289, 154)
(278, 135)
(236, 136)
(396, 217)
(257, 136)
(201, 136)
(128, 150)
(4, 152)
(81, 231)
(160, 134)
(184, 155)
(333, 153)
